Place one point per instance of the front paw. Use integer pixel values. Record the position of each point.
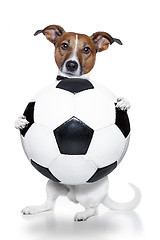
(21, 122)
(123, 104)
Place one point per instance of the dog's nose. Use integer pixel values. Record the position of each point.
(71, 66)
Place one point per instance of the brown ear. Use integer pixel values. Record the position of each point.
(102, 40)
(52, 33)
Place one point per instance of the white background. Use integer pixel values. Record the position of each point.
(131, 71)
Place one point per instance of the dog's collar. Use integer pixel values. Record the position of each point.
(59, 78)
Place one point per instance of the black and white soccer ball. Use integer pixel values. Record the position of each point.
(75, 135)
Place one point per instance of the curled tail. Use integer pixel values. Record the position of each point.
(111, 204)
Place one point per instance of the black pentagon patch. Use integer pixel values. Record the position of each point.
(29, 114)
(122, 122)
(102, 172)
(75, 85)
(73, 137)
(44, 171)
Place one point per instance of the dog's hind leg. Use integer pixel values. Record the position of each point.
(54, 190)
(90, 196)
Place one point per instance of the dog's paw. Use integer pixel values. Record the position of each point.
(123, 104)
(32, 210)
(21, 122)
(28, 211)
(81, 216)
(38, 209)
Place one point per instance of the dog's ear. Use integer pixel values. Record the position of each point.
(102, 40)
(52, 33)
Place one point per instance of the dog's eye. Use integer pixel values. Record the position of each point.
(86, 50)
(64, 46)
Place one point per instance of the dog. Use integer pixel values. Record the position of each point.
(75, 56)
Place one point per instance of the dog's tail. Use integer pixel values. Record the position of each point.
(111, 204)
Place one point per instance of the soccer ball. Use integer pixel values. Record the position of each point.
(75, 135)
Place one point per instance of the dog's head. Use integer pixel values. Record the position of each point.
(75, 53)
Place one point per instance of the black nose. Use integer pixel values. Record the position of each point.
(71, 66)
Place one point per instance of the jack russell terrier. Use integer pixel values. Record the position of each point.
(75, 56)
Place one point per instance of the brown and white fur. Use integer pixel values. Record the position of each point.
(75, 56)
